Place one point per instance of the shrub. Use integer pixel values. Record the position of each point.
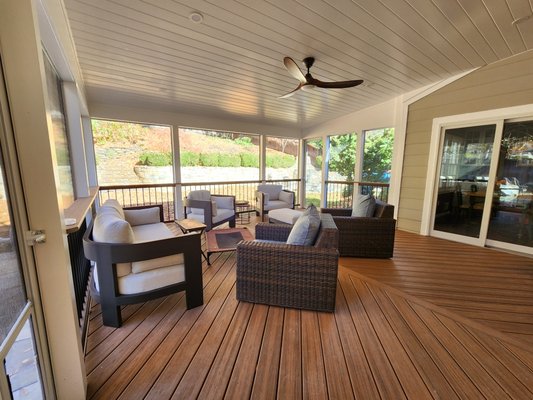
(244, 140)
(189, 159)
(209, 159)
(155, 159)
(280, 160)
(229, 160)
(249, 160)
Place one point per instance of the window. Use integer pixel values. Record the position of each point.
(281, 158)
(129, 153)
(215, 156)
(59, 130)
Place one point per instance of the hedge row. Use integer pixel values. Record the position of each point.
(190, 159)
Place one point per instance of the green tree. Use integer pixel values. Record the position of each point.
(342, 155)
(377, 159)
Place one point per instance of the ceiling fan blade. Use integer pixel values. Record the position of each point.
(291, 93)
(293, 69)
(337, 85)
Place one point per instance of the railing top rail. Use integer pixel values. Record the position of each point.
(361, 183)
(137, 186)
(152, 185)
(237, 182)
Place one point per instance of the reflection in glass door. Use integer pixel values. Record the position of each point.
(464, 174)
(512, 206)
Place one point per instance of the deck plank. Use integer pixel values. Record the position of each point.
(267, 369)
(314, 379)
(290, 369)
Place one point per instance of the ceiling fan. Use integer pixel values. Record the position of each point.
(308, 82)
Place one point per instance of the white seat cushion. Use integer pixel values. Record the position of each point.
(223, 213)
(275, 204)
(150, 280)
(138, 267)
(285, 215)
(148, 233)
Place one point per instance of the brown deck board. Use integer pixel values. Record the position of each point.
(290, 369)
(440, 320)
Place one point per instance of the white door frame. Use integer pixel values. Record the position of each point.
(497, 116)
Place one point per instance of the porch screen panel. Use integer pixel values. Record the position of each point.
(313, 171)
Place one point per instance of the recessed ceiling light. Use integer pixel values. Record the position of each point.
(196, 17)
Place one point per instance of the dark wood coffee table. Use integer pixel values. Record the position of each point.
(221, 240)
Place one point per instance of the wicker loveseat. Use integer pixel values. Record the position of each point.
(280, 274)
(371, 237)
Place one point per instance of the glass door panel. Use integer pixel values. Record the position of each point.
(19, 358)
(512, 206)
(465, 162)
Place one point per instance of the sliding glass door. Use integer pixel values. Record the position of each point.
(512, 204)
(464, 175)
(484, 192)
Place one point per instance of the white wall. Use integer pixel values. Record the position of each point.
(382, 115)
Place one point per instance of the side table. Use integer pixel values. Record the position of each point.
(190, 225)
(243, 211)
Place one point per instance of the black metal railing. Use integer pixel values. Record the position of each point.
(164, 194)
(142, 195)
(340, 193)
(81, 268)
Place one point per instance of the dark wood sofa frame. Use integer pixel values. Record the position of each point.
(107, 255)
(208, 217)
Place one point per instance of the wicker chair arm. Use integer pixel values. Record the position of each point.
(341, 212)
(366, 237)
(363, 224)
(277, 232)
(257, 255)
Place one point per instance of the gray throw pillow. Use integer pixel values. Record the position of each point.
(363, 205)
(305, 230)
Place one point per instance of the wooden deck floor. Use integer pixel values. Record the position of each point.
(388, 339)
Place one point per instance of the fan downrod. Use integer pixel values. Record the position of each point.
(309, 61)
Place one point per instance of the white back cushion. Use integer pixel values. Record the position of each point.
(305, 229)
(112, 204)
(109, 228)
(272, 190)
(143, 216)
(363, 205)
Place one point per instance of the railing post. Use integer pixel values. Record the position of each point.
(178, 201)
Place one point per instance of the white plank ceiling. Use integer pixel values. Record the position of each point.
(148, 53)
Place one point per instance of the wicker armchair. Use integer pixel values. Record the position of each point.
(287, 275)
(371, 237)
